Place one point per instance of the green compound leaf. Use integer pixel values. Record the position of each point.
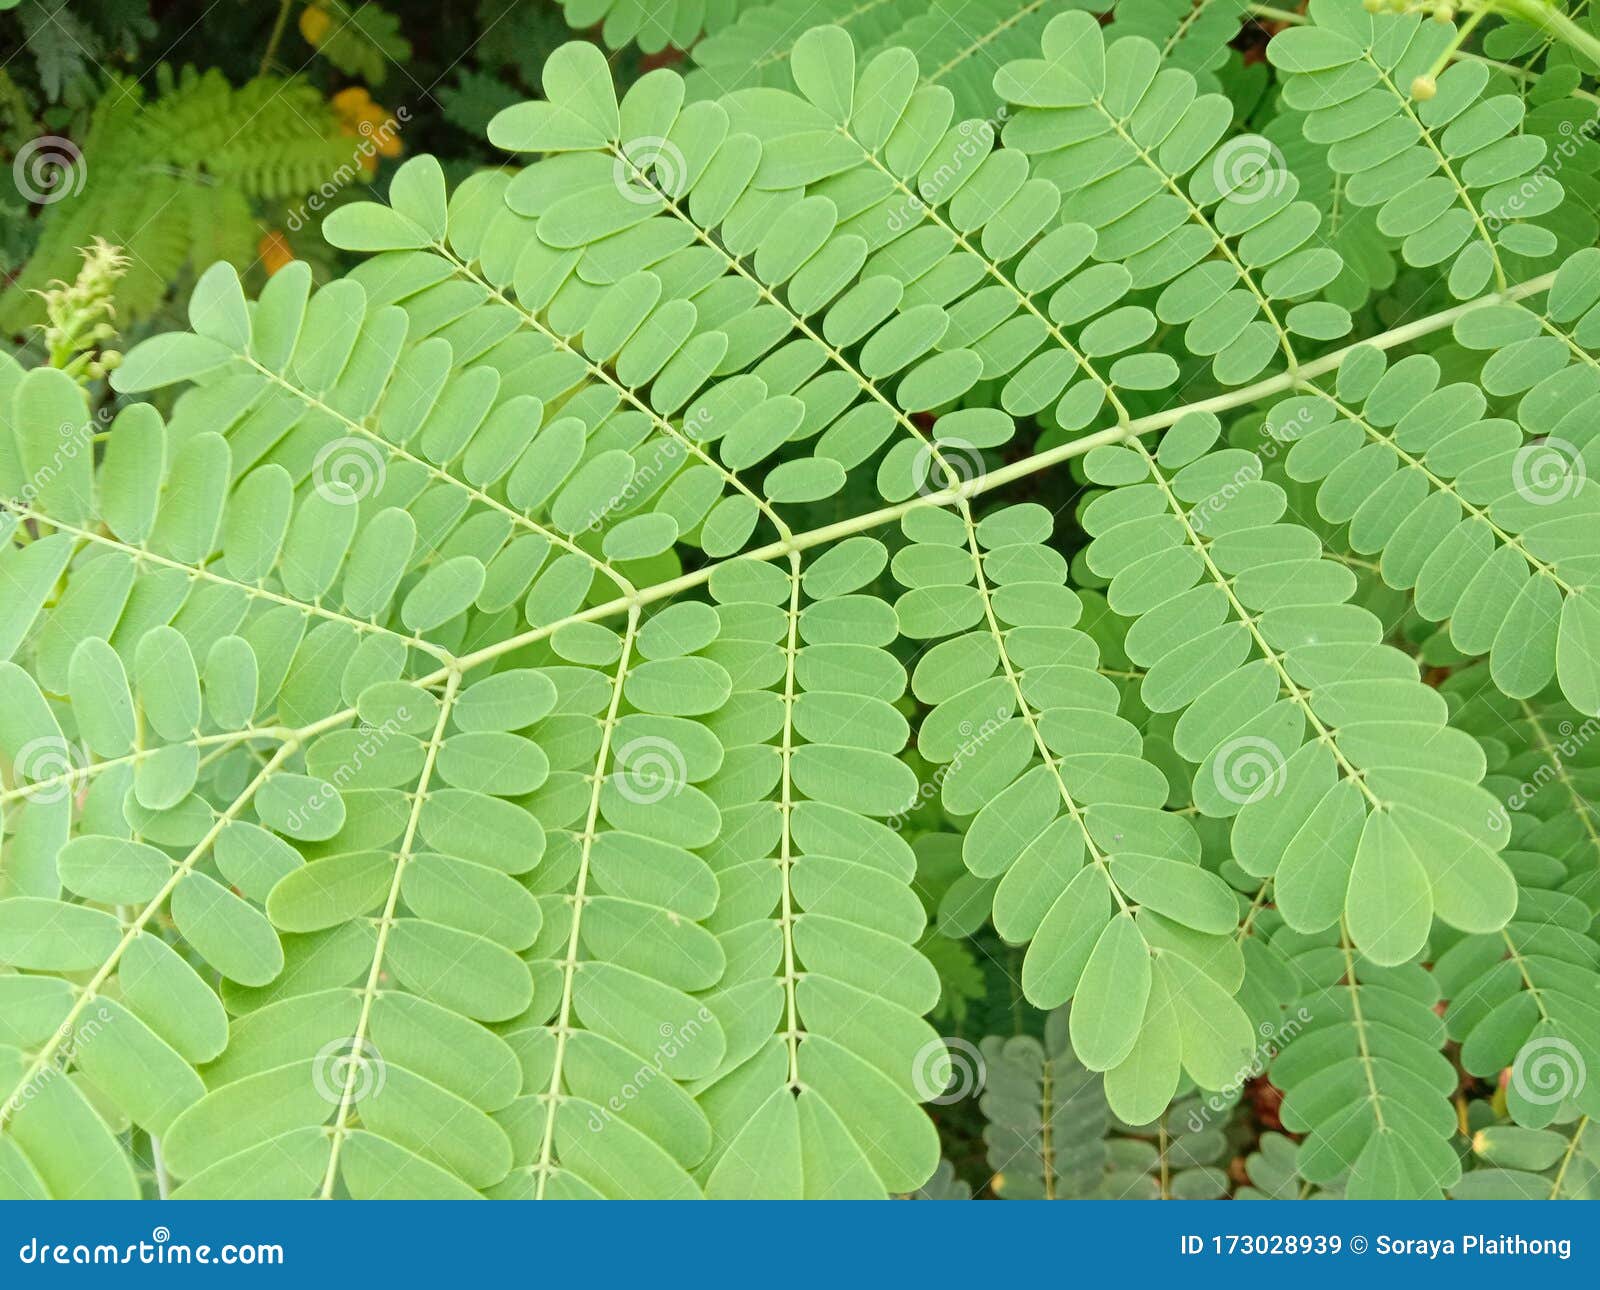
(534, 716)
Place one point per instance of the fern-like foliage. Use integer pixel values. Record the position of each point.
(1451, 175)
(492, 732)
(1193, 34)
(361, 39)
(653, 27)
(1051, 1136)
(171, 179)
(1047, 1118)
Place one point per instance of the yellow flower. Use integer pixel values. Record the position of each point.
(360, 117)
(383, 129)
(350, 100)
(275, 251)
(314, 23)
